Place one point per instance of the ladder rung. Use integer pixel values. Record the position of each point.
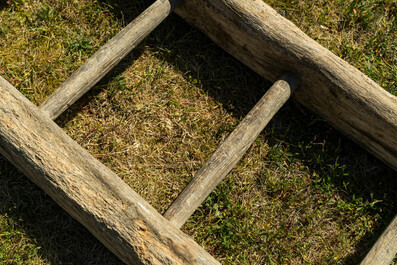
(231, 150)
(106, 58)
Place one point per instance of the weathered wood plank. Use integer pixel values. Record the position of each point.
(385, 249)
(89, 191)
(231, 150)
(106, 58)
(270, 44)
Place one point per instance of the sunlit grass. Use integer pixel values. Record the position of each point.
(303, 194)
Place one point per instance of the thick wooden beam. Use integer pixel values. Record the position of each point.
(231, 150)
(270, 44)
(106, 58)
(89, 191)
(385, 248)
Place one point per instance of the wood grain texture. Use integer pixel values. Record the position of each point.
(106, 58)
(385, 248)
(89, 191)
(269, 44)
(231, 150)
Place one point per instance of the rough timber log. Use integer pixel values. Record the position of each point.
(385, 249)
(269, 44)
(89, 191)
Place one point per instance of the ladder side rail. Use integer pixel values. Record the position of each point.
(89, 191)
(385, 249)
(269, 44)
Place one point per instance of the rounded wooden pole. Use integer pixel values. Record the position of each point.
(106, 58)
(231, 150)
(89, 191)
(385, 248)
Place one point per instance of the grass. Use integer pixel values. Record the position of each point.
(363, 32)
(303, 194)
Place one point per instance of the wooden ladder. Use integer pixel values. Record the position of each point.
(225, 157)
(94, 195)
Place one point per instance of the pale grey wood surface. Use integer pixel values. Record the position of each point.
(89, 191)
(106, 58)
(269, 44)
(385, 248)
(231, 150)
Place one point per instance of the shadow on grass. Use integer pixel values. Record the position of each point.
(65, 241)
(4, 4)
